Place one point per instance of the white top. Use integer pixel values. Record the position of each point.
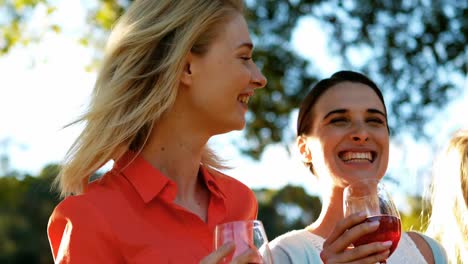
(301, 246)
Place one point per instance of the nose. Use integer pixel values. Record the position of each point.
(359, 134)
(258, 79)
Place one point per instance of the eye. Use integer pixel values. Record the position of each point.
(375, 120)
(338, 120)
(246, 58)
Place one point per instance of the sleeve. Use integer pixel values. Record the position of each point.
(78, 233)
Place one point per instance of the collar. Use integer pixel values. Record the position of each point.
(149, 182)
(209, 177)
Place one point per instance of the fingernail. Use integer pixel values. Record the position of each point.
(374, 223)
(387, 243)
(362, 214)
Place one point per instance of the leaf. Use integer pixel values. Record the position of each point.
(56, 28)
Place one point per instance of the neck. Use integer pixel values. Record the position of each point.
(331, 213)
(175, 148)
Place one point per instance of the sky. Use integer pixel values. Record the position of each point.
(44, 86)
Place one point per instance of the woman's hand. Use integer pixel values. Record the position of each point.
(336, 247)
(249, 256)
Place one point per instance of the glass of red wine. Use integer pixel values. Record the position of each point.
(371, 197)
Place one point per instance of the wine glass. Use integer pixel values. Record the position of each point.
(245, 234)
(371, 197)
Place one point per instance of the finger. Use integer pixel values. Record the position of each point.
(351, 235)
(355, 233)
(365, 252)
(248, 256)
(343, 225)
(220, 253)
(376, 258)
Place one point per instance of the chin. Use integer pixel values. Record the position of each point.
(231, 127)
(238, 124)
(241, 126)
(353, 178)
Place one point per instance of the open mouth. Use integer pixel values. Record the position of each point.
(243, 98)
(352, 156)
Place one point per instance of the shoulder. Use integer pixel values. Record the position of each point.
(294, 238)
(287, 239)
(226, 180)
(73, 206)
(432, 251)
(230, 185)
(74, 219)
(75, 209)
(239, 198)
(89, 209)
(296, 246)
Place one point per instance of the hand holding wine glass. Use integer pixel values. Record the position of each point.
(246, 235)
(371, 197)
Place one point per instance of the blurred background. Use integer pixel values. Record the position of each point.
(416, 51)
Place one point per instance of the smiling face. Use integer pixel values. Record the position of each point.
(348, 139)
(219, 83)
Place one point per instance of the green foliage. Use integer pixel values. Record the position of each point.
(20, 5)
(25, 207)
(415, 219)
(415, 50)
(418, 49)
(107, 12)
(11, 35)
(286, 209)
(15, 15)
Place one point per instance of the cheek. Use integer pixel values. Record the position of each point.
(385, 143)
(321, 154)
(246, 71)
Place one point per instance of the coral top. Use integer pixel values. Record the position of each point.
(128, 216)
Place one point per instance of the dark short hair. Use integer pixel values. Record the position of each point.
(304, 120)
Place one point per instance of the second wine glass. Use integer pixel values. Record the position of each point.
(371, 197)
(248, 234)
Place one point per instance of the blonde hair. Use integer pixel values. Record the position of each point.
(138, 81)
(449, 198)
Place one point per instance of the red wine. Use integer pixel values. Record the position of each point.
(389, 229)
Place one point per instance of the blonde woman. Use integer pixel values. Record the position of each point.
(449, 198)
(175, 73)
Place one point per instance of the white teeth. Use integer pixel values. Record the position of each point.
(356, 156)
(243, 99)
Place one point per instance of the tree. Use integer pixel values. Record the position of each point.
(415, 50)
(25, 207)
(26, 203)
(286, 209)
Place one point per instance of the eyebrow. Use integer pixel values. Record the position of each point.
(246, 44)
(376, 111)
(342, 111)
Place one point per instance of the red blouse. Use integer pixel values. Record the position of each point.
(128, 216)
